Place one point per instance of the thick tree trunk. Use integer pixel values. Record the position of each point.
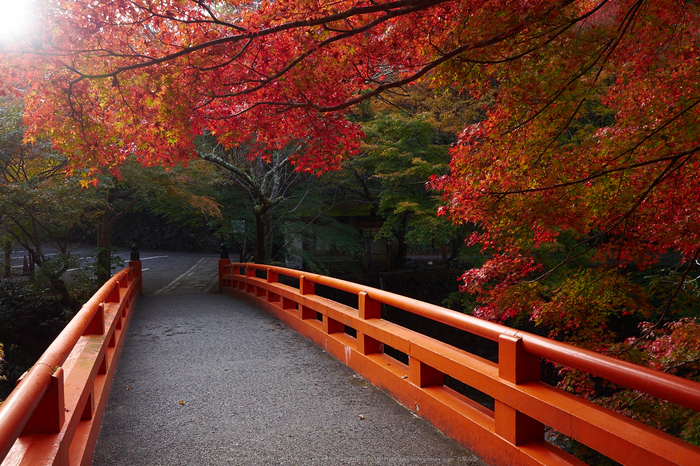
(104, 233)
(103, 266)
(103, 269)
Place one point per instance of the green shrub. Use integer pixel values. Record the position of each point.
(30, 319)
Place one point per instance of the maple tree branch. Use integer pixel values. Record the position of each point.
(558, 94)
(671, 158)
(591, 241)
(126, 209)
(681, 282)
(209, 11)
(391, 9)
(295, 208)
(242, 174)
(345, 34)
(647, 333)
(22, 240)
(386, 86)
(35, 221)
(604, 53)
(228, 62)
(553, 34)
(423, 70)
(409, 5)
(276, 166)
(670, 168)
(658, 130)
(681, 364)
(215, 19)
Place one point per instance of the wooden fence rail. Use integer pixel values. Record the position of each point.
(514, 431)
(53, 415)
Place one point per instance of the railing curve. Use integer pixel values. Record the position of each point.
(513, 432)
(53, 415)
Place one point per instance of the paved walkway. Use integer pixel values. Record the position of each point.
(207, 380)
(202, 276)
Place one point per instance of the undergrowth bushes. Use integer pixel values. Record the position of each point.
(32, 314)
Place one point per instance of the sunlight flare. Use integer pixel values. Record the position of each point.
(16, 19)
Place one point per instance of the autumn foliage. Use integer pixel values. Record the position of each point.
(581, 172)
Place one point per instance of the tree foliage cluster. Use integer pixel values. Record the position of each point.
(41, 212)
(281, 213)
(207, 198)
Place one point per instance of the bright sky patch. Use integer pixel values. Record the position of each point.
(15, 19)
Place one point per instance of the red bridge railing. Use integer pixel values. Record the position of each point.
(53, 415)
(514, 431)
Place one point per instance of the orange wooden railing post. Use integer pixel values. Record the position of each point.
(54, 410)
(135, 266)
(235, 269)
(306, 287)
(250, 273)
(423, 375)
(222, 271)
(368, 308)
(137, 274)
(272, 276)
(97, 324)
(49, 416)
(113, 296)
(517, 367)
(513, 431)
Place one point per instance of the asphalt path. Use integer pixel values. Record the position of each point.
(179, 272)
(204, 379)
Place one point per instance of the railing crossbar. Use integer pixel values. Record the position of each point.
(514, 431)
(41, 420)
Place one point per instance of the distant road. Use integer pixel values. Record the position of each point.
(168, 273)
(164, 272)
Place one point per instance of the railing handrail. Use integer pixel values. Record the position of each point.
(524, 405)
(666, 386)
(19, 407)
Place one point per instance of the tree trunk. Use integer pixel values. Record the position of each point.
(457, 244)
(68, 301)
(8, 258)
(103, 266)
(104, 233)
(103, 269)
(260, 243)
(32, 258)
(401, 237)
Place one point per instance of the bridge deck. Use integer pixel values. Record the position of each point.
(205, 380)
